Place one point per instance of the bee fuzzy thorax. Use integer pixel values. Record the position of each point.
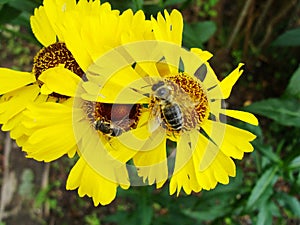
(180, 102)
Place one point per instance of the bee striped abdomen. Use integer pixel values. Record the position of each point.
(173, 116)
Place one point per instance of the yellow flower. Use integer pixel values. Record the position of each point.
(18, 89)
(115, 116)
(50, 125)
(183, 103)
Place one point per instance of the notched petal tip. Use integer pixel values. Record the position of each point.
(228, 82)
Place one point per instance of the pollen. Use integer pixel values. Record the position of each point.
(52, 56)
(193, 88)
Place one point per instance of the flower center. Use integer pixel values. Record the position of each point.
(113, 116)
(185, 107)
(52, 56)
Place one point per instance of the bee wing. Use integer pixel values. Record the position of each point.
(154, 119)
(124, 122)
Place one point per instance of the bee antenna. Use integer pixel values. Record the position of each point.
(138, 91)
(146, 86)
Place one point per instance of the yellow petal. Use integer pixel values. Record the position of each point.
(55, 11)
(96, 152)
(139, 139)
(231, 140)
(49, 123)
(218, 169)
(206, 179)
(11, 80)
(185, 170)
(204, 55)
(59, 139)
(137, 29)
(177, 25)
(90, 183)
(72, 36)
(152, 164)
(117, 87)
(100, 42)
(243, 116)
(41, 27)
(60, 80)
(170, 28)
(211, 144)
(14, 102)
(47, 113)
(228, 82)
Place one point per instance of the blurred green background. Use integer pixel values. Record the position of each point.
(265, 35)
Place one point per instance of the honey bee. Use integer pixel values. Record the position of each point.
(171, 107)
(108, 128)
(114, 120)
(166, 106)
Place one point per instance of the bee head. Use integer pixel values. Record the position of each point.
(161, 90)
(157, 85)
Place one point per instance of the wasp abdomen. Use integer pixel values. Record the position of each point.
(173, 116)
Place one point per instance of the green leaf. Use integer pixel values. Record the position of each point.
(173, 2)
(4, 1)
(291, 203)
(267, 151)
(295, 164)
(8, 13)
(145, 216)
(208, 214)
(194, 35)
(264, 216)
(27, 6)
(264, 183)
(283, 111)
(122, 5)
(289, 38)
(293, 88)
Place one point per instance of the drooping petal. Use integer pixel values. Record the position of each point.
(231, 140)
(152, 164)
(185, 170)
(91, 183)
(11, 80)
(49, 123)
(218, 169)
(16, 101)
(96, 151)
(60, 80)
